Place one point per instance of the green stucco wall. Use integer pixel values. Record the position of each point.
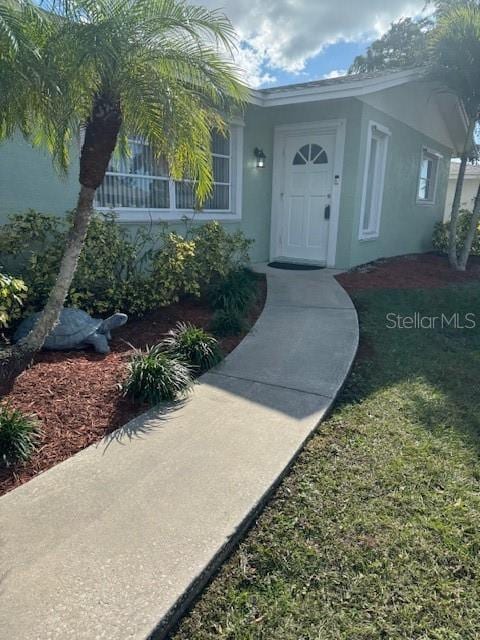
(27, 180)
(405, 225)
(257, 183)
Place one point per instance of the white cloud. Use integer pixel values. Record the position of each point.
(335, 73)
(251, 63)
(284, 34)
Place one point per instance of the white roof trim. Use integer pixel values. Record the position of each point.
(314, 92)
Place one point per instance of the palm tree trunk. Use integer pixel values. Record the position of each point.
(452, 238)
(17, 358)
(472, 232)
(101, 135)
(83, 212)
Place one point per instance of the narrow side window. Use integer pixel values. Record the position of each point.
(374, 178)
(427, 180)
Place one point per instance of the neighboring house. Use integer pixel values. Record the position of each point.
(470, 187)
(355, 168)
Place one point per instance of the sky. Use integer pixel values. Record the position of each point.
(288, 41)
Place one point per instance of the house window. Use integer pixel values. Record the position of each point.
(137, 182)
(310, 152)
(427, 181)
(142, 182)
(375, 163)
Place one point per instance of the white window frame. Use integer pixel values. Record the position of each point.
(233, 214)
(437, 157)
(382, 135)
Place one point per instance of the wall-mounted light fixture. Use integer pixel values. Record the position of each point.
(260, 157)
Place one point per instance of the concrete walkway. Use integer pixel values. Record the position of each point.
(115, 542)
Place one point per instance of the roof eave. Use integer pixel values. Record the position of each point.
(306, 93)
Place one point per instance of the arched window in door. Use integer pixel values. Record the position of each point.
(310, 153)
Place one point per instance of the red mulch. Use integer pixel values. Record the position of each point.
(416, 271)
(76, 394)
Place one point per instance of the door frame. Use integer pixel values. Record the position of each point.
(280, 133)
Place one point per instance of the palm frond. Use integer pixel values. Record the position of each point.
(166, 63)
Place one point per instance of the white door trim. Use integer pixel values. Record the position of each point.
(336, 127)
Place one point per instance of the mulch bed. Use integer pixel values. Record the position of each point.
(415, 271)
(76, 394)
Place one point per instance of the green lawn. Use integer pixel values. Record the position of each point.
(376, 531)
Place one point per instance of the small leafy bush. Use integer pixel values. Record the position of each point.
(117, 270)
(228, 322)
(218, 252)
(32, 244)
(19, 435)
(193, 345)
(442, 230)
(13, 292)
(154, 375)
(173, 268)
(237, 291)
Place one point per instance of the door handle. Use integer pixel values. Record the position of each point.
(327, 212)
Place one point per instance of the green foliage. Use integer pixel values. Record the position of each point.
(454, 51)
(218, 252)
(19, 435)
(193, 345)
(116, 270)
(236, 291)
(228, 322)
(33, 243)
(403, 46)
(30, 247)
(173, 268)
(154, 375)
(165, 68)
(382, 506)
(441, 234)
(107, 261)
(13, 292)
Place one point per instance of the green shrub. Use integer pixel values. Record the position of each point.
(218, 252)
(442, 230)
(118, 271)
(13, 292)
(173, 268)
(237, 290)
(154, 375)
(33, 245)
(228, 322)
(19, 435)
(193, 345)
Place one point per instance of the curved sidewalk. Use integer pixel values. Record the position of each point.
(115, 542)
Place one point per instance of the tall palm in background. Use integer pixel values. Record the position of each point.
(454, 53)
(151, 69)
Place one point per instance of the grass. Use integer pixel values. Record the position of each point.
(375, 534)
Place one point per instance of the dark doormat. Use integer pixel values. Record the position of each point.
(294, 266)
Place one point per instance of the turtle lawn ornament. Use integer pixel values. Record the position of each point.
(75, 329)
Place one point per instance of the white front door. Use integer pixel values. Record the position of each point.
(306, 195)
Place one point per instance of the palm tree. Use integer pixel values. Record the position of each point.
(455, 61)
(152, 69)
